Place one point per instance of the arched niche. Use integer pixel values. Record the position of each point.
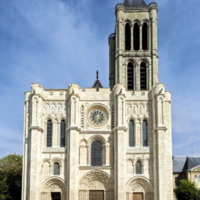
(96, 180)
(139, 185)
(53, 185)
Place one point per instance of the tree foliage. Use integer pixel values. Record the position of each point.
(10, 177)
(186, 190)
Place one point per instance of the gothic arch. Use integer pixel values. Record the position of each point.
(144, 60)
(145, 20)
(137, 21)
(89, 180)
(96, 180)
(128, 21)
(62, 118)
(84, 142)
(133, 118)
(53, 184)
(46, 160)
(97, 137)
(130, 61)
(58, 160)
(141, 185)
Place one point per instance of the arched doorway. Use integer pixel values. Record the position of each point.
(139, 188)
(53, 189)
(96, 185)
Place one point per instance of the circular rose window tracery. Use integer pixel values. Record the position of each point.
(97, 116)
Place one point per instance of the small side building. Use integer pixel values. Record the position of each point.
(186, 168)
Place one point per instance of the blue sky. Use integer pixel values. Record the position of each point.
(59, 42)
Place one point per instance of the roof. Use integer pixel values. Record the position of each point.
(181, 164)
(178, 164)
(134, 3)
(191, 162)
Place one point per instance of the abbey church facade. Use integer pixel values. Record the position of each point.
(104, 143)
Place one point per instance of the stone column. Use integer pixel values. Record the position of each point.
(73, 149)
(120, 190)
(25, 148)
(140, 26)
(154, 45)
(138, 133)
(73, 165)
(132, 40)
(107, 149)
(163, 179)
(137, 77)
(119, 143)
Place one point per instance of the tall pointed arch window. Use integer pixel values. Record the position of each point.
(49, 133)
(56, 169)
(143, 76)
(138, 167)
(127, 37)
(145, 36)
(130, 76)
(136, 38)
(145, 134)
(131, 134)
(96, 153)
(62, 133)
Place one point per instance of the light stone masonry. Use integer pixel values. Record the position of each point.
(95, 158)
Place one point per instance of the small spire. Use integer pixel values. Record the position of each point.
(97, 84)
(97, 75)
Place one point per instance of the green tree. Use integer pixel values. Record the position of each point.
(4, 194)
(186, 190)
(10, 177)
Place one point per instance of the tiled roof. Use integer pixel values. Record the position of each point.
(178, 164)
(184, 163)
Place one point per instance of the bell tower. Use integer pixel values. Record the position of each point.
(133, 47)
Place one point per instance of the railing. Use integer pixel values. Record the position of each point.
(112, 35)
(119, 5)
(139, 7)
(136, 7)
(153, 4)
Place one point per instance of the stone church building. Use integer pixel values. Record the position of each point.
(104, 143)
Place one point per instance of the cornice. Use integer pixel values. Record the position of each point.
(36, 128)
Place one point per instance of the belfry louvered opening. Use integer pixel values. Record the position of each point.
(49, 133)
(127, 37)
(130, 76)
(136, 34)
(143, 76)
(145, 36)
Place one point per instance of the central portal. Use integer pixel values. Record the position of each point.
(137, 196)
(96, 195)
(55, 196)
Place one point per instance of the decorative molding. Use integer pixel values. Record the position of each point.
(36, 128)
(94, 131)
(54, 150)
(120, 128)
(95, 167)
(160, 128)
(76, 128)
